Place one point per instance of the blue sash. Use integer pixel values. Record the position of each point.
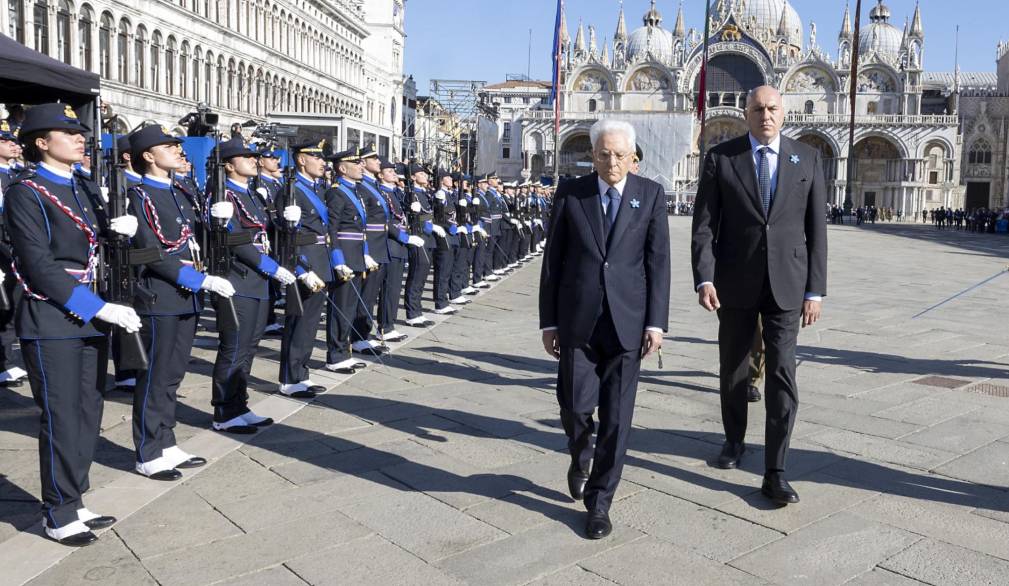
(319, 206)
(353, 199)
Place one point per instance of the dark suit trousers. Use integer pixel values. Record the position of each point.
(736, 331)
(364, 314)
(416, 277)
(477, 263)
(460, 271)
(169, 342)
(388, 296)
(444, 258)
(298, 339)
(601, 374)
(500, 259)
(234, 359)
(65, 377)
(339, 318)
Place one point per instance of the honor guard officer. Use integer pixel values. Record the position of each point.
(421, 225)
(399, 242)
(125, 148)
(480, 217)
(350, 259)
(268, 185)
(377, 236)
(11, 375)
(445, 231)
(496, 253)
(172, 308)
(313, 271)
(458, 284)
(54, 229)
(250, 275)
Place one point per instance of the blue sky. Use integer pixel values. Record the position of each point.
(487, 39)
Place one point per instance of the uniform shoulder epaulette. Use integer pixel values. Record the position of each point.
(21, 175)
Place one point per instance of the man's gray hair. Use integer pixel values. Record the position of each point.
(613, 127)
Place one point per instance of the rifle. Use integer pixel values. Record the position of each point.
(287, 241)
(219, 254)
(117, 260)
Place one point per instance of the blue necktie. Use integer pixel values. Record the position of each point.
(764, 177)
(612, 207)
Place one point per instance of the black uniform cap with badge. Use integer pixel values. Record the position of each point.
(45, 118)
(313, 148)
(235, 147)
(387, 164)
(144, 140)
(6, 132)
(347, 156)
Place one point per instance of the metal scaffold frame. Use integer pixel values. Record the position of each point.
(455, 112)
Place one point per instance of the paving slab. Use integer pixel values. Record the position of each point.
(935, 562)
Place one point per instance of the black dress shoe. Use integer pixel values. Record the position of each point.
(77, 539)
(317, 389)
(100, 522)
(166, 475)
(370, 351)
(598, 525)
(778, 489)
(194, 462)
(239, 429)
(10, 384)
(752, 394)
(731, 454)
(576, 481)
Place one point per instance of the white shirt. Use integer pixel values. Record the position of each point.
(603, 188)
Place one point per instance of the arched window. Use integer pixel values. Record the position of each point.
(231, 84)
(140, 55)
(63, 49)
(156, 42)
(183, 70)
(40, 14)
(123, 47)
(84, 24)
(208, 76)
(197, 57)
(592, 105)
(16, 20)
(170, 50)
(105, 46)
(240, 101)
(809, 107)
(220, 81)
(980, 153)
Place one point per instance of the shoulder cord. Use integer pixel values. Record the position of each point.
(83, 226)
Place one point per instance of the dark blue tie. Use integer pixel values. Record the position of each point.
(612, 207)
(764, 178)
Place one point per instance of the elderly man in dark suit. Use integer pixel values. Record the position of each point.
(604, 304)
(759, 250)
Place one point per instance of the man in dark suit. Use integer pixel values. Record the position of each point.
(604, 304)
(759, 249)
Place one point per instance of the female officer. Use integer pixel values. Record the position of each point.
(54, 229)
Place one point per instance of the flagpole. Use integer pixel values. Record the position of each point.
(556, 90)
(852, 95)
(702, 98)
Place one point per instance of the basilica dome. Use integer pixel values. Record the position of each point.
(650, 39)
(880, 36)
(761, 19)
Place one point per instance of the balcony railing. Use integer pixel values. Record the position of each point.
(874, 120)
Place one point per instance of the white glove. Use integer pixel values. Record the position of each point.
(476, 201)
(438, 231)
(343, 271)
(463, 203)
(104, 191)
(415, 207)
(222, 210)
(124, 225)
(538, 223)
(479, 229)
(120, 315)
(516, 223)
(528, 224)
(462, 230)
(218, 285)
(440, 196)
(292, 214)
(312, 281)
(415, 241)
(369, 263)
(284, 276)
(264, 192)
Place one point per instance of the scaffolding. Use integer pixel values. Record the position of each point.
(448, 137)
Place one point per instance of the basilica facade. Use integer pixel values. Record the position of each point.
(907, 147)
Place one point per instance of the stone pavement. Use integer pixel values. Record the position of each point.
(446, 465)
